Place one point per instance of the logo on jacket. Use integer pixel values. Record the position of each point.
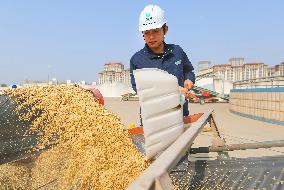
(178, 62)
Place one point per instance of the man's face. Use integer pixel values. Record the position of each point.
(154, 37)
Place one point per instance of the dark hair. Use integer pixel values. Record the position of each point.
(164, 29)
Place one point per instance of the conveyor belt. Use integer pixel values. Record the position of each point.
(265, 173)
(13, 142)
(139, 142)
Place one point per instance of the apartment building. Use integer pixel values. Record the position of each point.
(279, 69)
(114, 72)
(238, 70)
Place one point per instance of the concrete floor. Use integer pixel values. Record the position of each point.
(235, 129)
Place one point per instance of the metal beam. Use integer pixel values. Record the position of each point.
(170, 157)
(244, 146)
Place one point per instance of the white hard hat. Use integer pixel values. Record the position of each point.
(151, 17)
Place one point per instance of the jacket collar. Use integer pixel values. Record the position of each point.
(167, 50)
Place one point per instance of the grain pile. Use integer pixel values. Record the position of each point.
(13, 176)
(92, 151)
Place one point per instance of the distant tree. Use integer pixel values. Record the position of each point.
(3, 85)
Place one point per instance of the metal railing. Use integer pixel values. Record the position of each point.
(156, 176)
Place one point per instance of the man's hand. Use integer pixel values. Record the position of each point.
(188, 84)
(183, 90)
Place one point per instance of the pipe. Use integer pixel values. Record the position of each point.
(232, 147)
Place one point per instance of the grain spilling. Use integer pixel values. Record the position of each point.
(88, 145)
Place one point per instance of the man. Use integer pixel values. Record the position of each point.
(158, 54)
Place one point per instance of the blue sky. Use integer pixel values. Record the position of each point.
(73, 39)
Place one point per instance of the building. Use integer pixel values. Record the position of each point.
(279, 69)
(223, 71)
(114, 72)
(270, 71)
(254, 70)
(203, 65)
(116, 67)
(237, 62)
(238, 70)
(126, 76)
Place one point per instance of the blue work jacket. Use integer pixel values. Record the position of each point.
(174, 61)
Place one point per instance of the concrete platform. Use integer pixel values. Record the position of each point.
(234, 128)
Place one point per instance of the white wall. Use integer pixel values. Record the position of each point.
(219, 84)
(114, 89)
(205, 83)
